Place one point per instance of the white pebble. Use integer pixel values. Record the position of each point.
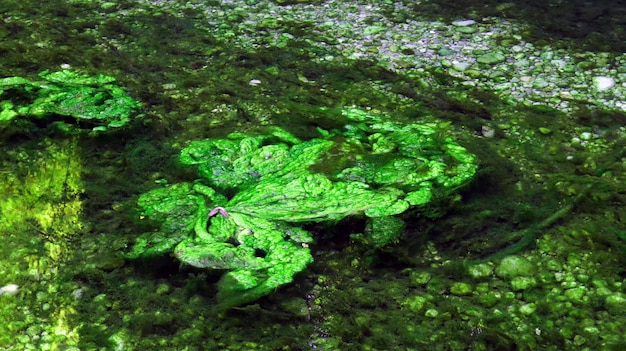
(603, 83)
(488, 132)
(463, 23)
(11, 289)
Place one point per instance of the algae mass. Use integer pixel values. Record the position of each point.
(255, 236)
(468, 156)
(93, 101)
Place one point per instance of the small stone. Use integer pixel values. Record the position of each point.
(108, 5)
(487, 131)
(579, 340)
(554, 265)
(496, 74)
(544, 130)
(489, 299)
(603, 83)
(567, 333)
(574, 259)
(162, 289)
(9, 290)
(473, 73)
(373, 30)
(523, 283)
(419, 278)
(414, 303)
(582, 278)
(34, 330)
(527, 309)
(616, 304)
(547, 56)
(432, 313)
(446, 52)
(585, 65)
(540, 83)
(482, 288)
(575, 295)
(461, 289)
(466, 30)
(514, 266)
(481, 270)
(461, 66)
(463, 23)
(491, 58)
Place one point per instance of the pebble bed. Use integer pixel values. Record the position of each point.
(488, 53)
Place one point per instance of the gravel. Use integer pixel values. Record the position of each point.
(489, 53)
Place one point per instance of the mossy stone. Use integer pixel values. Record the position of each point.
(461, 289)
(576, 295)
(419, 278)
(415, 303)
(515, 266)
(467, 30)
(616, 304)
(527, 309)
(490, 299)
(480, 271)
(432, 313)
(523, 283)
(162, 289)
(491, 58)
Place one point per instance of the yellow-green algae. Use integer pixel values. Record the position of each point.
(41, 215)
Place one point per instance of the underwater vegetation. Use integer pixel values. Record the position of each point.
(95, 103)
(372, 168)
(118, 235)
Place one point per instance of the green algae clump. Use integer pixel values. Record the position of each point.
(94, 102)
(276, 183)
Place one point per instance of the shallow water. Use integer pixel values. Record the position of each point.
(205, 69)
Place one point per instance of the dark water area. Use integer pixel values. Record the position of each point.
(528, 255)
(576, 24)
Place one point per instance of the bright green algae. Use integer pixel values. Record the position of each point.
(371, 168)
(92, 100)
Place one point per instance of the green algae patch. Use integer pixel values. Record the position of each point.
(245, 213)
(41, 218)
(95, 103)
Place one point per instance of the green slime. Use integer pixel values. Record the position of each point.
(92, 100)
(372, 168)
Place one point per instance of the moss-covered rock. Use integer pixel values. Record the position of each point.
(514, 266)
